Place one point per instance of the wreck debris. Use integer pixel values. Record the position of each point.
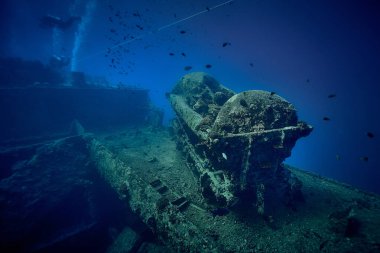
(181, 203)
(236, 143)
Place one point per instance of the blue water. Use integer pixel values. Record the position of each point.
(302, 50)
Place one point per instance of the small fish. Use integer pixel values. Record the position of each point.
(208, 66)
(251, 64)
(337, 157)
(140, 27)
(187, 68)
(308, 80)
(224, 156)
(220, 211)
(272, 93)
(208, 9)
(326, 118)
(183, 54)
(182, 32)
(226, 44)
(331, 96)
(171, 54)
(370, 135)
(364, 158)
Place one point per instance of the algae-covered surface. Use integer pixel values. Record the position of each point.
(334, 217)
(132, 190)
(198, 186)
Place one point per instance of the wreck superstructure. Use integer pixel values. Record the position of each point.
(236, 143)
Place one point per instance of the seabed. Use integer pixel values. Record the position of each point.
(150, 175)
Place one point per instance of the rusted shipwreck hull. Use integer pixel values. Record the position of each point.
(225, 189)
(236, 143)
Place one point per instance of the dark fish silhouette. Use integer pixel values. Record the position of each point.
(182, 32)
(331, 96)
(187, 68)
(226, 44)
(208, 9)
(171, 54)
(272, 93)
(208, 66)
(183, 54)
(326, 119)
(251, 64)
(364, 158)
(370, 135)
(140, 27)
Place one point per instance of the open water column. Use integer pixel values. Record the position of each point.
(82, 30)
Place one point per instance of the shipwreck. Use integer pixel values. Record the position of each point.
(215, 181)
(236, 143)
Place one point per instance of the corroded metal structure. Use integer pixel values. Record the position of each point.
(233, 143)
(236, 143)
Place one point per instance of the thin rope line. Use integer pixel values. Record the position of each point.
(194, 15)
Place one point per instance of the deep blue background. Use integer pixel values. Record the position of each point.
(302, 50)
